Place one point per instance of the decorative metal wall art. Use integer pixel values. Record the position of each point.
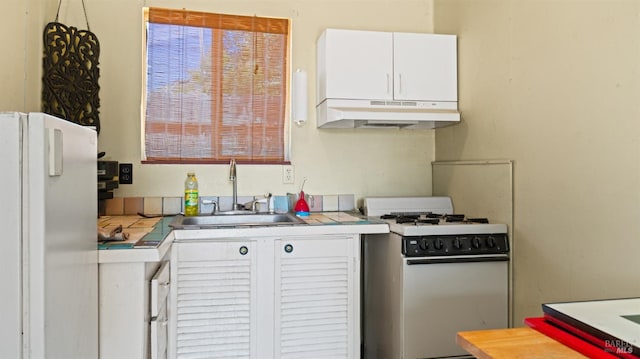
(70, 75)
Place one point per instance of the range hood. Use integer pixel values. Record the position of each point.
(347, 113)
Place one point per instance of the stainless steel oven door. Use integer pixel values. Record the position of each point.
(445, 295)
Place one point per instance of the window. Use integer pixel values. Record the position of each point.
(215, 88)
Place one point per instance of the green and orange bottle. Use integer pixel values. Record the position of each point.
(191, 195)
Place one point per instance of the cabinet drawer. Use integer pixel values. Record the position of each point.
(158, 333)
(159, 289)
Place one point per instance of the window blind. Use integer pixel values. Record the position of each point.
(215, 87)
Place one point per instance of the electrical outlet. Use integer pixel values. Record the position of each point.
(287, 174)
(125, 173)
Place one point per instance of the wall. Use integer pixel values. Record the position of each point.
(21, 63)
(554, 86)
(335, 161)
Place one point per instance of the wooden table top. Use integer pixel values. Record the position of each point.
(513, 343)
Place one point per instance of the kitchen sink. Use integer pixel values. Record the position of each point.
(234, 220)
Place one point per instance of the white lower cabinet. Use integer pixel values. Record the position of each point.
(317, 302)
(273, 297)
(213, 300)
(133, 309)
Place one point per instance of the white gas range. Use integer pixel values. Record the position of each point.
(436, 273)
(414, 216)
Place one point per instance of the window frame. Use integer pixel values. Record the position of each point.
(195, 17)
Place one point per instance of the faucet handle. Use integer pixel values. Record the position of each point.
(211, 201)
(271, 204)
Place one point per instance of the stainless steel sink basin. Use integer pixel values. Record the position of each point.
(233, 220)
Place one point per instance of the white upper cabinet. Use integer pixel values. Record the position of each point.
(425, 67)
(373, 65)
(355, 65)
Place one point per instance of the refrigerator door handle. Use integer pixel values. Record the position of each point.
(55, 151)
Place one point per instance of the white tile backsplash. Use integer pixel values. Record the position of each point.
(346, 202)
(152, 205)
(174, 205)
(330, 203)
(315, 203)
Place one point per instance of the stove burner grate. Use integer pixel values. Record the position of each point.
(454, 217)
(478, 220)
(427, 221)
(430, 218)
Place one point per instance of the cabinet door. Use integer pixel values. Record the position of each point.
(213, 306)
(355, 65)
(317, 297)
(425, 67)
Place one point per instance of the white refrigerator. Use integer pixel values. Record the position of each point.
(48, 250)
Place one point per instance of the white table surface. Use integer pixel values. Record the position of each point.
(608, 316)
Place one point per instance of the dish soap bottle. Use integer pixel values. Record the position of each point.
(191, 195)
(301, 208)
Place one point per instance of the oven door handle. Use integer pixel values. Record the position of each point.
(472, 259)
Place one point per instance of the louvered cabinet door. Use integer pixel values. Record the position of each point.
(213, 300)
(317, 297)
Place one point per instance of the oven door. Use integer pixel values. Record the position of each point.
(445, 295)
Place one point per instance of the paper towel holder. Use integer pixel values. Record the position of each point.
(299, 97)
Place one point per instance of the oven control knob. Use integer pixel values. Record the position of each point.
(475, 242)
(491, 242)
(424, 245)
(438, 244)
(457, 243)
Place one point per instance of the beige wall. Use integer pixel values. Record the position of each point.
(21, 60)
(555, 86)
(343, 161)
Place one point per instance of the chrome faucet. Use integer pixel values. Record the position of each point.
(266, 201)
(234, 178)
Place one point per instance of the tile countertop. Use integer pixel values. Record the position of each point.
(150, 238)
(143, 232)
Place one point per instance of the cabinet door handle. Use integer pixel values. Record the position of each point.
(164, 285)
(288, 248)
(244, 250)
(388, 84)
(399, 83)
